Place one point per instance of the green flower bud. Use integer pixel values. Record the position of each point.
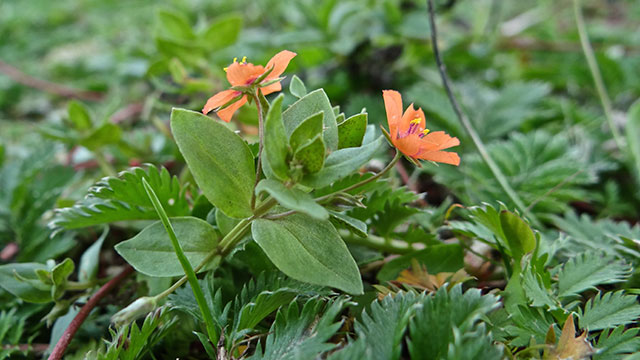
(137, 309)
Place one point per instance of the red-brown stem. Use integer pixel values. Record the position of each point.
(47, 86)
(75, 324)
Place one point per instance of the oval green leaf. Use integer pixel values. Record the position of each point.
(220, 161)
(308, 250)
(293, 199)
(151, 252)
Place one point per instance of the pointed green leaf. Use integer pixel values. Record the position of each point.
(307, 130)
(343, 163)
(309, 105)
(351, 131)
(293, 199)
(220, 161)
(12, 279)
(223, 32)
(79, 115)
(276, 146)
(297, 88)
(518, 234)
(311, 155)
(151, 252)
(633, 136)
(308, 250)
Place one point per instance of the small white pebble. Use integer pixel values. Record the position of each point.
(171, 202)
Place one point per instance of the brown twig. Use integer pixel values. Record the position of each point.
(75, 324)
(18, 76)
(127, 112)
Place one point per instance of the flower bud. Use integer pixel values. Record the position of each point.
(137, 309)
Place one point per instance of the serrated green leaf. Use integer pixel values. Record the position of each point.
(616, 342)
(297, 88)
(220, 161)
(276, 144)
(308, 250)
(151, 252)
(609, 310)
(292, 198)
(351, 131)
(312, 103)
(586, 270)
(123, 198)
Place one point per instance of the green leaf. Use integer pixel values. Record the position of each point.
(301, 334)
(311, 155)
(307, 130)
(297, 88)
(535, 290)
(437, 258)
(79, 116)
(342, 163)
(225, 223)
(88, 268)
(586, 270)
(292, 198)
(609, 310)
(105, 134)
(276, 145)
(59, 275)
(151, 253)
(617, 342)
(174, 24)
(123, 198)
(308, 250)
(21, 280)
(351, 131)
(354, 225)
(518, 235)
(381, 328)
(445, 318)
(309, 105)
(220, 161)
(223, 32)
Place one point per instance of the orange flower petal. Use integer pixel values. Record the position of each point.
(271, 88)
(393, 106)
(438, 140)
(441, 156)
(226, 113)
(408, 145)
(279, 62)
(219, 99)
(240, 74)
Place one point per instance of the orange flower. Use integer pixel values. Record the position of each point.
(243, 74)
(408, 133)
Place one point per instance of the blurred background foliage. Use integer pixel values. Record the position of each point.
(518, 69)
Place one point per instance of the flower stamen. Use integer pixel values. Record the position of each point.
(424, 132)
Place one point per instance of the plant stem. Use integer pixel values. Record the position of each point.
(595, 73)
(378, 243)
(104, 164)
(67, 336)
(497, 173)
(365, 181)
(256, 99)
(186, 265)
(224, 246)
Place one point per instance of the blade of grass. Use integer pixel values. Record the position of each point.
(186, 265)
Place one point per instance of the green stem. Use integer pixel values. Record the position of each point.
(378, 243)
(260, 145)
(104, 164)
(186, 265)
(466, 123)
(365, 181)
(595, 73)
